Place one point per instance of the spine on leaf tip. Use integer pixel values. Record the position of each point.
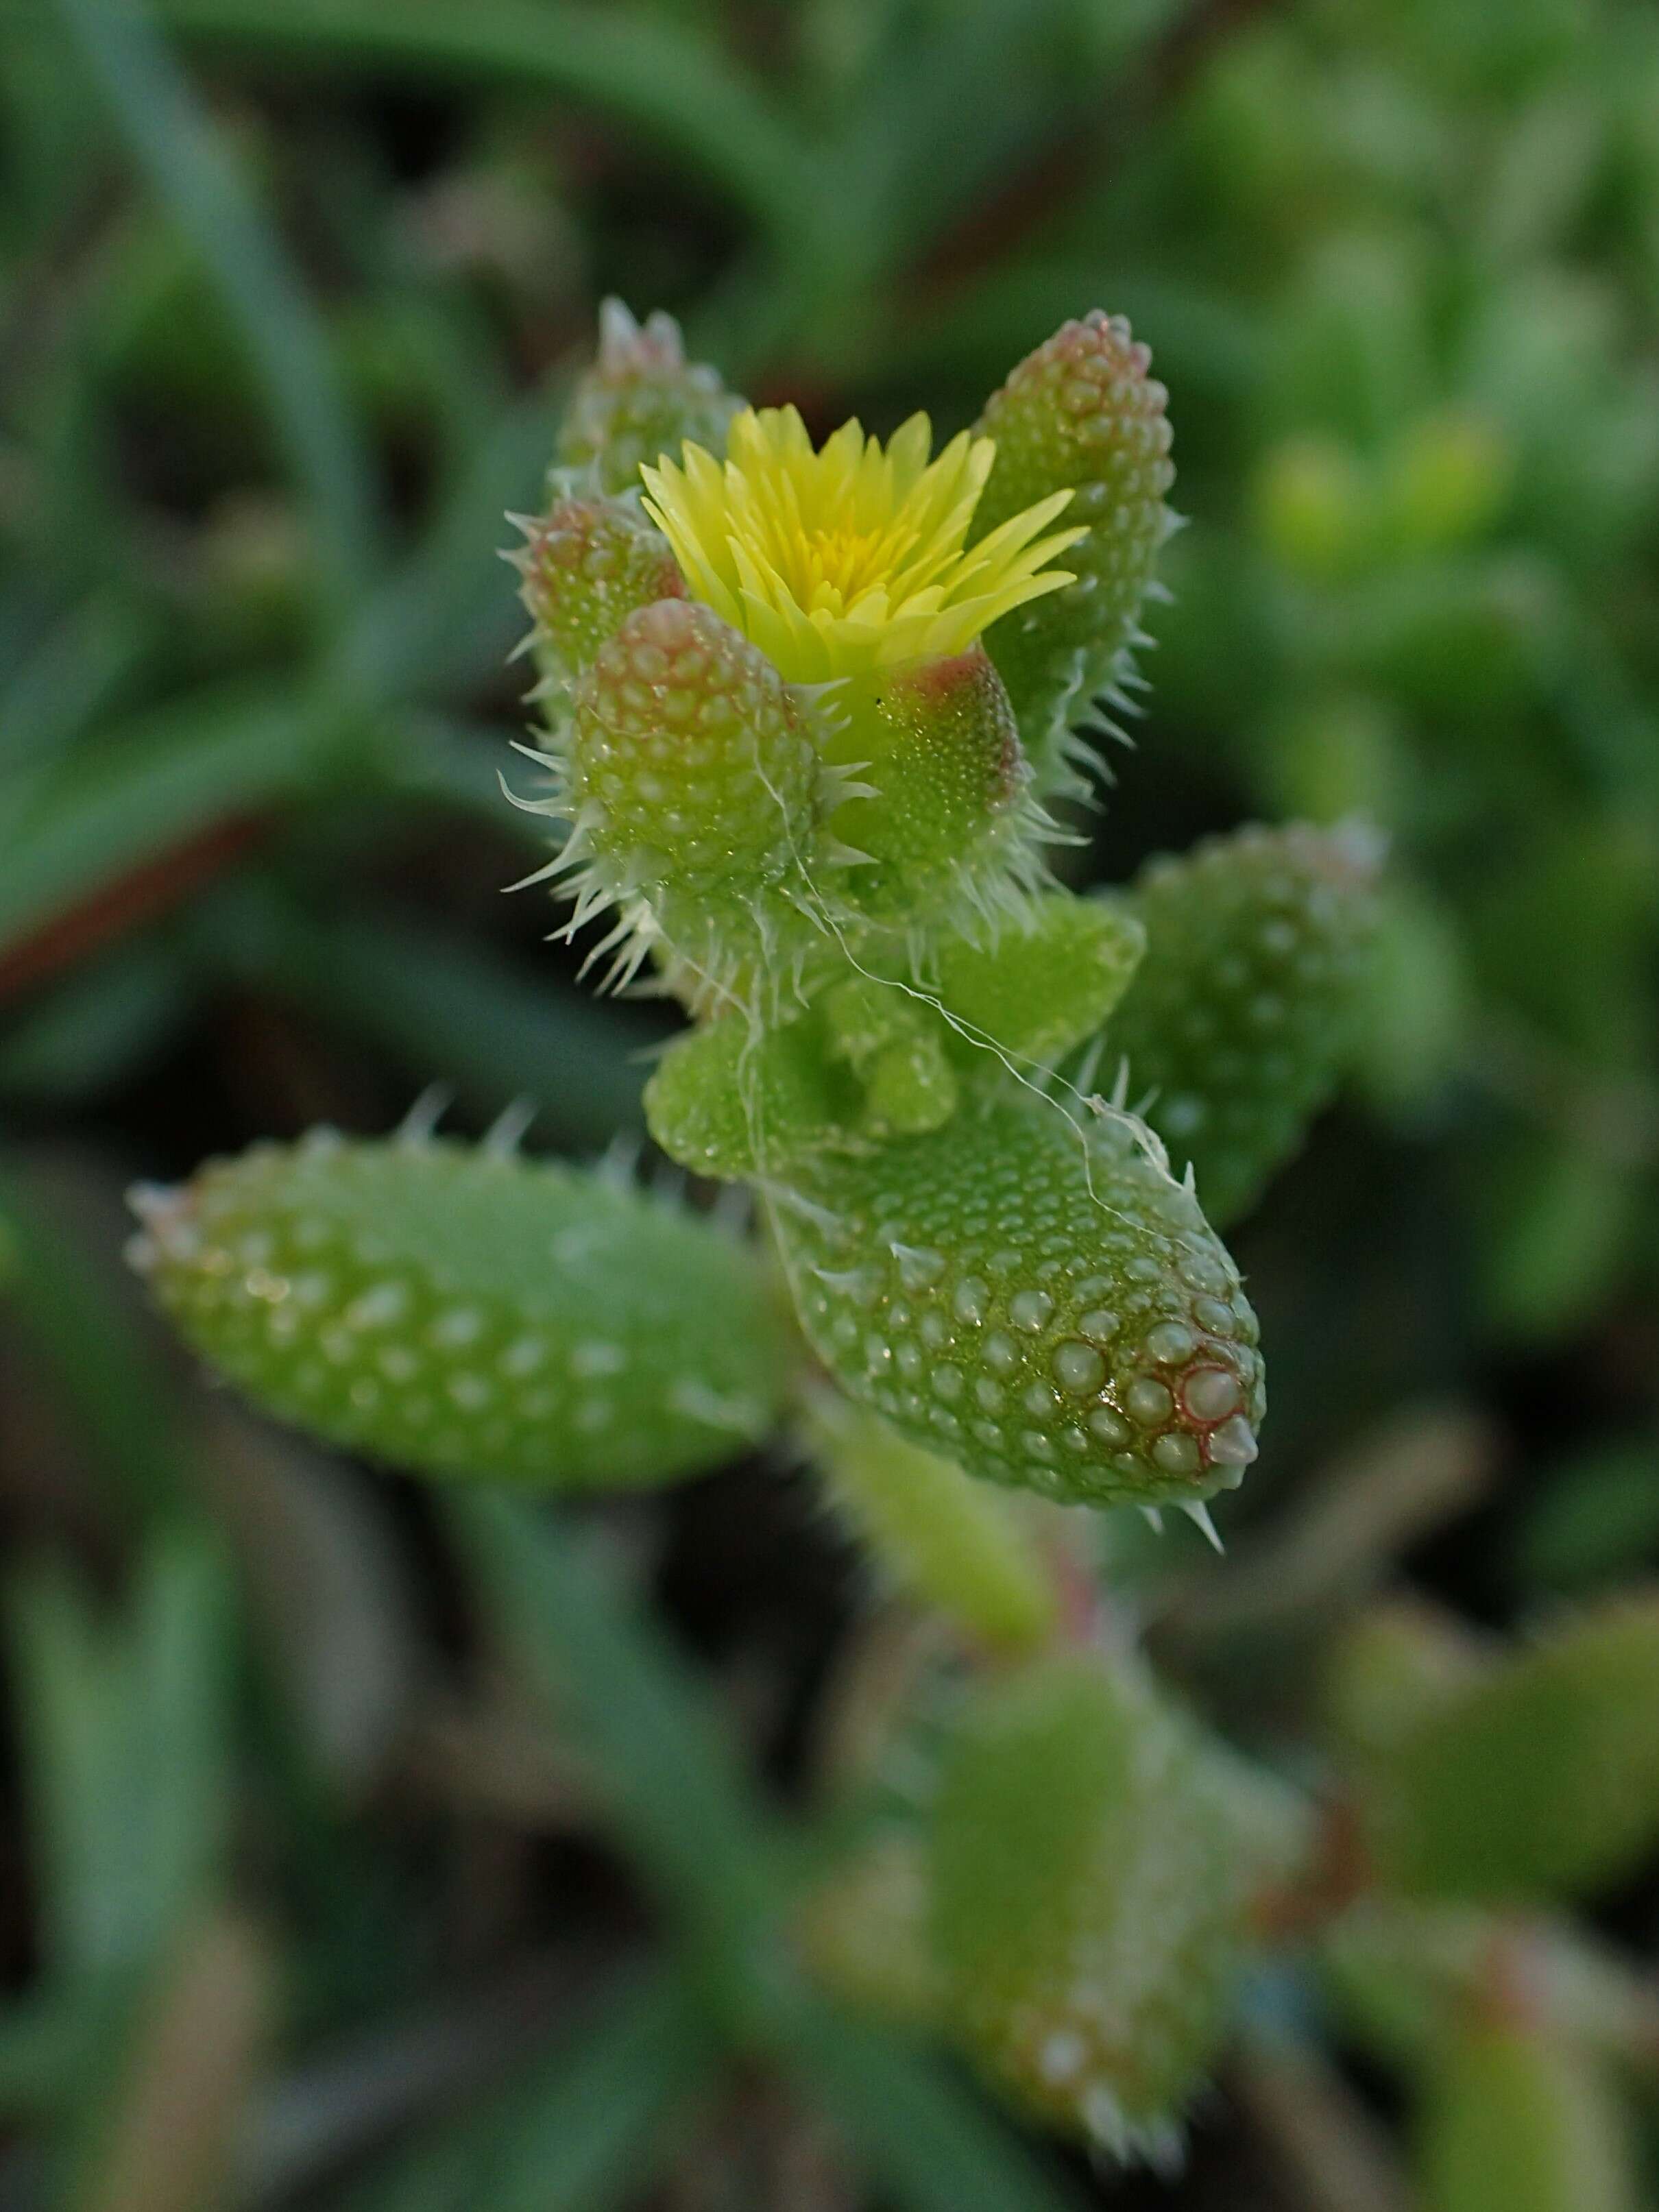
(1037, 1298)
(1080, 413)
(466, 1313)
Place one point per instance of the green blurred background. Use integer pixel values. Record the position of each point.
(292, 1871)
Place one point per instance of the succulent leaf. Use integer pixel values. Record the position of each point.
(694, 789)
(1049, 980)
(1244, 1010)
(1540, 1780)
(1094, 1860)
(1080, 413)
(587, 564)
(1517, 2123)
(952, 1543)
(1039, 1300)
(947, 825)
(466, 1312)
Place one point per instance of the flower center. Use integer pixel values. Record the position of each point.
(856, 556)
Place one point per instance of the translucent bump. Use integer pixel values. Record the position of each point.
(398, 1364)
(1002, 1353)
(1110, 1428)
(1216, 1316)
(593, 1414)
(1177, 1453)
(935, 1330)
(312, 1289)
(990, 1394)
(594, 1358)
(523, 1357)
(1079, 1368)
(457, 1328)
(469, 1392)
(1169, 1342)
(971, 1300)
(1148, 1401)
(1211, 1393)
(1029, 1310)
(380, 1307)
(910, 1361)
(861, 1284)
(338, 1346)
(947, 1382)
(1039, 1399)
(365, 1395)
(988, 1432)
(919, 1264)
(1100, 1324)
(1036, 1445)
(877, 1354)
(1234, 1445)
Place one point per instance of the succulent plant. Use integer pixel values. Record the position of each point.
(799, 715)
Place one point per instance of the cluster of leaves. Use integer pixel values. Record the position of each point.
(245, 715)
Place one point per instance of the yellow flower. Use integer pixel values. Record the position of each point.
(839, 562)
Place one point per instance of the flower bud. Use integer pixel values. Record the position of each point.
(464, 1312)
(1081, 412)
